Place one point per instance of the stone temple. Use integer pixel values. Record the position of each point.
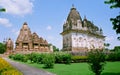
(9, 46)
(27, 42)
(30, 42)
(81, 35)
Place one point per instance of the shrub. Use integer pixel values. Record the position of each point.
(35, 57)
(118, 56)
(18, 57)
(78, 53)
(67, 58)
(77, 59)
(62, 57)
(11, 56)
(25, 58)
(31, 57)
(96, 60)
(59, 57)
(110, 57)
(39, 58)
(114, 56)
(48, 61)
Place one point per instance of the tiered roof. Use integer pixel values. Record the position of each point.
(26, 36)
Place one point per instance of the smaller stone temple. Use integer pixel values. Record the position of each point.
(28, 42)
(9, 46)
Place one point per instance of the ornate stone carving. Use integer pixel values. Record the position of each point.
(26, 41)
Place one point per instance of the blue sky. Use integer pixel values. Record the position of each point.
(46, 18)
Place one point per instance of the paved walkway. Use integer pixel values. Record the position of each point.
(27, 70)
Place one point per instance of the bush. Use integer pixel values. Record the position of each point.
(39, 58)
(48, 60)
(118, 56)
(11, 56)
(31, 57)
(35, 57)
(67, 58)
(110, 57)
(96, 60)
(114, 56)
(18, 57)
(61, 57)
(77, 59)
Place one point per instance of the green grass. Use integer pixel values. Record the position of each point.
(111, 68)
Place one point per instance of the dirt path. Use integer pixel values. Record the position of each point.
(27, 70)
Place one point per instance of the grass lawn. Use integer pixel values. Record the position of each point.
(111, 68)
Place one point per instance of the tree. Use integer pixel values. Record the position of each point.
(55, 49)
(2, 48)
(96, 60)
(117, 48)
(106, 45)
(2, 9)
(115, 21)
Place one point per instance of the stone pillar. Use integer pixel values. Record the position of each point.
(51, 48)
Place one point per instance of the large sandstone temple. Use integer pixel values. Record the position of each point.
(81, 35)
(27, 42)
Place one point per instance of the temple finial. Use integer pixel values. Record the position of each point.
(84, 16)
(72, 5)
(25, 23)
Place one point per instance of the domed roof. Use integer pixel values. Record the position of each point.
(74, 15)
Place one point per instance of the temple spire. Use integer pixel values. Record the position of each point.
(72, 5)
(25, 23)
(85, 17)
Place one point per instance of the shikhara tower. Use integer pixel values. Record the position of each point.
(81, 35)
(28, 42)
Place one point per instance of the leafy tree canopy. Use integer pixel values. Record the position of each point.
(115, 21)
(117, 48)
(2, 48)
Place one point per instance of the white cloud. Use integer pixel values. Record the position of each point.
(5, 22)
(109, 38)
(17, 7)
(50, 38)
(49, 28)
(16, 32)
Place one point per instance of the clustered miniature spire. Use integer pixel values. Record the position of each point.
(29, 40)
